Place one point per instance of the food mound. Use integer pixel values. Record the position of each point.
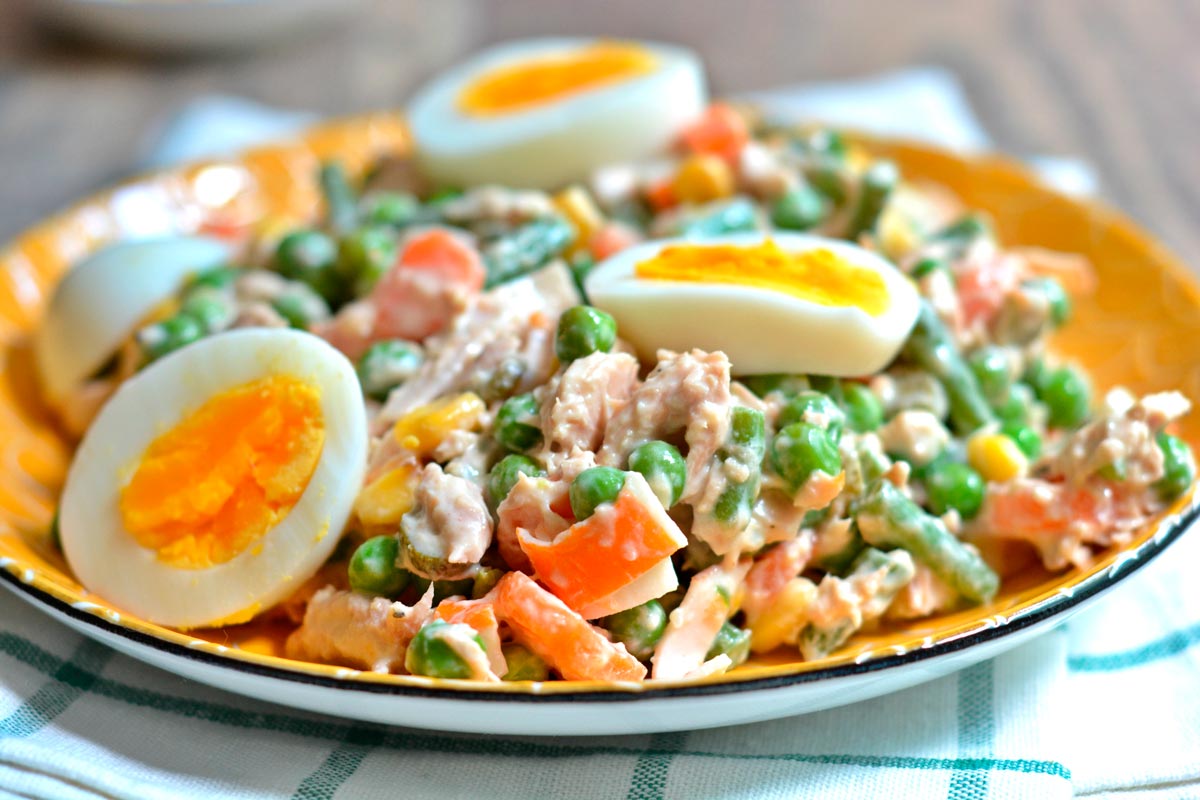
(605, 382)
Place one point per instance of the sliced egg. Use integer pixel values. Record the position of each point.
(783, 302)
(217, 480)
(541, 113)
(104, 297)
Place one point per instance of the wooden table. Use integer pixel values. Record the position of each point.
(1116, 81)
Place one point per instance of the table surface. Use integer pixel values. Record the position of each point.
(1115, 81)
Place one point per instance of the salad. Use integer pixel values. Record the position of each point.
(606, 382)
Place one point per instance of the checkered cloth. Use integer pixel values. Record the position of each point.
(1108, 707)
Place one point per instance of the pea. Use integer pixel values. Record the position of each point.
(214, 278)
(507, 472)
(1056, 296)
(638, 628)
(800, 449)
(386, 365)
(731, 641)
(504, 379)
(365, 255)
(950, 484)
(584, 330)
(301, 306)
(990, 365)
(594, 487)
(1067, 398)
(169, 335)
(864, 411)
(310, 256)
(1026, 438)
(373, 569)
(209, 308)
(517, 423)
(928, 266)
(484, 581)
(396, 209)
(523, 664)
(1179, 468)
(431, 655)
(814, 405)
(799, 209)
(782, 383)
(1018, 405)
(663, 468)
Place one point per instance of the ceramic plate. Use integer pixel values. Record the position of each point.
(1139, 329)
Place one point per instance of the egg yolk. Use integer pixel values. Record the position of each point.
(818, 276)
(211, 486)
(538, 81)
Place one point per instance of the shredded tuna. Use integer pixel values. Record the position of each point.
(342, 627)
(530, 506)
(578, 405)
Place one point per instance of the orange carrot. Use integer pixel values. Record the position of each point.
(439, 251)
(610, 239)
(661, 195)
(562, 638)
(721, 131)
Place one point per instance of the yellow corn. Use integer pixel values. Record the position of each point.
(996, 457)
(783, 620)
(386, 499)
(423, 428)
(701, 179)
(576, 205)
(896, 232)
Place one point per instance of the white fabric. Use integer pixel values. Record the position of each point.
(1107, 708)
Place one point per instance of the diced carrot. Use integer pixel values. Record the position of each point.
(661, 195)
(440, 251)
(610, 239)
(1038, 507)
(984, 283)
(562, 638)
(607, 551)
(721, 131)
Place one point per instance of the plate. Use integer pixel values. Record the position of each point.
(1139, 329)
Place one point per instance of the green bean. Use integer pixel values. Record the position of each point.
(583, 330)
(928, 266)
(517, 423)
(1179, 467)
(746, 447)
(340, 204)
(396, 209)
(815, 408)
(430, 654)
(731, 641)
(663, 468)
(507, 472)
(799, 209)
(386, 365)
(990, 365)
(864, 411)
(523, 664)
(527, 249)
(931, 347)
(778, 382)
(835, 555)
(374, 570)
(884, 574)
(889, 520)
(581, 266)
(594, 487)
(963, 231)
(875, 187)
(734, 216)
(802, 449)
(638, 628)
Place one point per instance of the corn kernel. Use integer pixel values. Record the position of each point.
(576, 205)
(386, 499)
(896, 232)
(701, 179)
(423, 428)
(996, 457)
(783, 620)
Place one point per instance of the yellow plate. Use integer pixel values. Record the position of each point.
(1140, 329)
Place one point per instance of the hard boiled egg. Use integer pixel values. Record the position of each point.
(784, 302)
(541, 113)
(103, 298)
(217, 480)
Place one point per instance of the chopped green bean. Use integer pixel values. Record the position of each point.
(527, 249)
(815, 408)
(340, 203)
(746, 446)
(875, 187)
(734, 216)
(364, 256)
(731, 641)
(778, 382)
(881, 574)
(396, 209)
(931, 346)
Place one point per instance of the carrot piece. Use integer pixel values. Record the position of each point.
(661, 195)
(563, 639)
(721, 131)
(441, 252)
(607, 551)
(610, 239)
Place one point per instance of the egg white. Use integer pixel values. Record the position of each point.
(102, 299)
(110, 563)
(560, 141)
(761, 330)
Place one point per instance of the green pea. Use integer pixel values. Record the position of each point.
(1018, 406)
(731, 641)
(396, 209)
(638, 628)
(485, 580)
(507, 472)
(523, 664)
(864, 411)
(584, 330)
(812, 404)
(799, 209)
(990, 365)
(1179, 467)
(214, 278)
(950, 484)
(1026, 438)
(594, 487)
(663, 468)
(209, 308)
(365, 255)
(782, 383)
(928, 266)
(1067, 398)
(431, 655)
(504, 379)
(1056, 296)
(517, 423)
(800, 449)
(310, 256)
(301, 306)
(386, 365)
(373, 569)
(164, 337)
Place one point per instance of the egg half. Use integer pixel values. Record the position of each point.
(782, 302)
(542, 113)
(100, 301)
(216, 481)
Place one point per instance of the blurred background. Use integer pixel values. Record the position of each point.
(1111, 81)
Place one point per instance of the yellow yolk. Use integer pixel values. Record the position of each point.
(818, 276)
(211, 486)
(538, 81)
